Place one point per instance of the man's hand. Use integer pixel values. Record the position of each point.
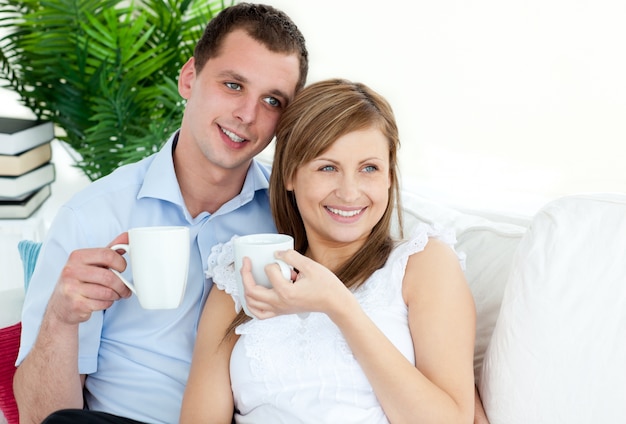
(87, 284)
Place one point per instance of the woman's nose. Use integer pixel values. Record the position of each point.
(348, 189)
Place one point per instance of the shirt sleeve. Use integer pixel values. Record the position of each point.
(63, 237)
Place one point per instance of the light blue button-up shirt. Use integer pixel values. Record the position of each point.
(137, 360)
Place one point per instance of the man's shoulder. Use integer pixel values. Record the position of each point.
(125, 179)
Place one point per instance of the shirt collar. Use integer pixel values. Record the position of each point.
(160, 180)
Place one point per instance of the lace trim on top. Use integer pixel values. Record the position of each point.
(221, 268)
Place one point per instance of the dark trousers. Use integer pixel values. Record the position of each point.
(77, 416)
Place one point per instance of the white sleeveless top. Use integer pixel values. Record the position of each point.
(292, 370)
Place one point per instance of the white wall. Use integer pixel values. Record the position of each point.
(500, 103)
(497, 100)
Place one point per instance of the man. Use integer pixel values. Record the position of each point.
(86, 342)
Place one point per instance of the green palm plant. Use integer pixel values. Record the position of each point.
(103, 71)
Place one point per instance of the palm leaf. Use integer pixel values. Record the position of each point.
(102, 70)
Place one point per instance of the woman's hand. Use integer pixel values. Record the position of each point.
(314, 289)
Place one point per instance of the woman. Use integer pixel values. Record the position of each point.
(390, 332)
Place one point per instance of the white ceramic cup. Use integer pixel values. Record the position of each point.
(260, 249)
(159, 262)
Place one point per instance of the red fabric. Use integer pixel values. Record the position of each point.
(9, 345)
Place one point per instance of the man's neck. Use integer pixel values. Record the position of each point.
(204, 186)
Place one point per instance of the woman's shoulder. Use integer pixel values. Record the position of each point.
(436, 266)
(424, 237)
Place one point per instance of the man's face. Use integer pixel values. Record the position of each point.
(234, 103)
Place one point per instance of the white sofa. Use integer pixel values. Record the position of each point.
(556, 351)
(550, 297)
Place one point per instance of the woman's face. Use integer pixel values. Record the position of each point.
(343, 193)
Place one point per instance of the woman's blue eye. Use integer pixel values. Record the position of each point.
(370, 168)
(327, 168)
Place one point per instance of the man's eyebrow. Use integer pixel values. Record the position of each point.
(230, 74)
(233, 75)
(279, 93)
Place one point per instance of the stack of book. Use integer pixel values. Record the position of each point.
(26, 172)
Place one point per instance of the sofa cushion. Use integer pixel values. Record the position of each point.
(9, 345)
(488, 246)
(558, 349)
(29, 252)
(10, 328)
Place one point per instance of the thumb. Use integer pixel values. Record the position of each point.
(120, 239)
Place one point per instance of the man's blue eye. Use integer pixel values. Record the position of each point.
(233, 86)
(272, 101)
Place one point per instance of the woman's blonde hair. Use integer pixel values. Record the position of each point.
(319, 115)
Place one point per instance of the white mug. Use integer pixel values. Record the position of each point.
(260, 249)
(159, 262)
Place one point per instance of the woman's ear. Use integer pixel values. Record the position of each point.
(289, 184)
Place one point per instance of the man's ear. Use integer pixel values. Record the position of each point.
(186, 78)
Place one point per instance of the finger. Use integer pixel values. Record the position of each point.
(83, 289)
(246, 274)
(120, 239)
(276, 277)
(102, 284)
(294, 259)
(259, 307)
(100, 261)
(263, 314)
(94, 266)
(119, 287)
(98, 256)
(251, 289)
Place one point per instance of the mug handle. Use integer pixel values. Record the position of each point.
(286, 271)
(125, 248)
